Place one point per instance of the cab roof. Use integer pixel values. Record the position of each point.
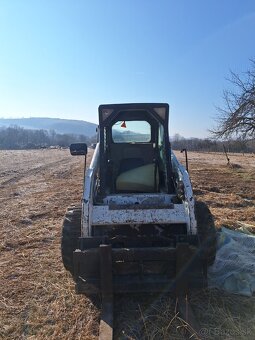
(110, 112)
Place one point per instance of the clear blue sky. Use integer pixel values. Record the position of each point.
(62, 58)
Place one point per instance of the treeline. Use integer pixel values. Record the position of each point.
(14, 138)
(208, 145)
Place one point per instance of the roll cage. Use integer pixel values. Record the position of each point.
(157, 149)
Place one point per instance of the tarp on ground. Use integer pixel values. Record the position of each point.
(234, 266)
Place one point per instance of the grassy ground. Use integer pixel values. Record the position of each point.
(37, 299)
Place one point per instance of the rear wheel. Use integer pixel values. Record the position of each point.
(206, 232)
(71, 231)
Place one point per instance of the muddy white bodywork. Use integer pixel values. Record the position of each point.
(136, 209)
(138, 231)
(188, 201)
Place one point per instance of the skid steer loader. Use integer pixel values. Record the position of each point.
(139, 228)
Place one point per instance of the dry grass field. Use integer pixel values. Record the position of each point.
(37, 299)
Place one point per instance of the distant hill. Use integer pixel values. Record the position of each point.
(62, 126)
(128, 136)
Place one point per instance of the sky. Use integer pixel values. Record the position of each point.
(63, 58)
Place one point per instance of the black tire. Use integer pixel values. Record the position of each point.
(206, 232)
(71, 232)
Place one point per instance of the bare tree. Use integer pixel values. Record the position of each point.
(237, 118)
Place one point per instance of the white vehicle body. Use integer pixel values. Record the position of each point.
(138, 210)
(132, 209)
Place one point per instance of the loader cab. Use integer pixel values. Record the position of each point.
(134, 149)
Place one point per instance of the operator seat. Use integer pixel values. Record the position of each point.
(144, 178)
(127, 164)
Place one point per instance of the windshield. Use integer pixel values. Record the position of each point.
(131, 132)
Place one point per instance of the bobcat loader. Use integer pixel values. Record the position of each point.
(139, 228)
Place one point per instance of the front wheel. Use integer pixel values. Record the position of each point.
(71, 232)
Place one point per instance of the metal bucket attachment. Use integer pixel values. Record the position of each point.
(136, 270)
